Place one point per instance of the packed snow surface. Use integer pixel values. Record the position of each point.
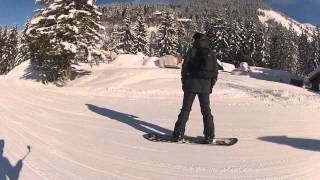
(93, 128)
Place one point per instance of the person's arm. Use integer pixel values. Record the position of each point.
(14, 172)
(216, 71)
(185, 70)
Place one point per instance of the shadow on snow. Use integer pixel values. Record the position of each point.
(130, 120)
(8, 171)
(299, 143)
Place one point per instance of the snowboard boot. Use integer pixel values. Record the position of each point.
(178, 136)
(208, 139)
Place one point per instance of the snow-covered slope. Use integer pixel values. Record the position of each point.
(93, 128)
(284, 21)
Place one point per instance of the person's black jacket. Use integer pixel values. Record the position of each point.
(198, 85)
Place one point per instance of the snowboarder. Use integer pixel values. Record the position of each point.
(198, 75)
(6, 169)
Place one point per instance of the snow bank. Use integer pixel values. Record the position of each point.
(272, 75)
(151, 62)
(136, 61)
(129, 60)
(140, 60)
(227, 66)
(169, 61)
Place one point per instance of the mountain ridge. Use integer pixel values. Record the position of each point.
(306, 11)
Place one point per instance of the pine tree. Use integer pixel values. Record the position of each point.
(87, 21)
(168, 36)
(259, 47)
(112, 40)
(292, 50)
(141, 41)
(65, 32)
(305, 63)
(3, 39)
(11, 49)
(276, 46)
(183, 42)
(316, 47)
(127, 41)
(218, 33)
(249, 51)
(235, 41)
(25, 40)
(8, 49)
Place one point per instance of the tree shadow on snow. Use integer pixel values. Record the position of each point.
(8, 171)
(77, 73)
(299, 143)
(130, 120)
(30, 73)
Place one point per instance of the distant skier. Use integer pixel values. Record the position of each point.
(6, 169)
(198, 75)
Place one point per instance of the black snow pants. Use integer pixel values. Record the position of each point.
(188, 99)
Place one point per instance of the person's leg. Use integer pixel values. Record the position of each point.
(183, 117)
(208, 124)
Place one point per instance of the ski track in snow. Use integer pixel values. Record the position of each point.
(93, 128)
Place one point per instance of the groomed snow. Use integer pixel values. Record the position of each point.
(93, 127)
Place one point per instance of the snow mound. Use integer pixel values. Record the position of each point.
(240, 72)
(136, 61)
(227, 66)
(129, 60)
(151, 62)
(169, 61)
(272, 75)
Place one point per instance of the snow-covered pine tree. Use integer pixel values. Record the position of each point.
(112, 40)
(265, 48)
(235, 41)
(257, 53)
(3, 35)
(168, 36)
(292, 50)
(316, 47)
(183, 42)
(11, 49)
(127, 37)
(276, 46)
(305, 62)
(248, 45)
(53, 40)
(24, 49)
(44, 1)
(217, 31)
(8, 48)
(2, 44)
(63, 33)
(87, 21)
(141, 38)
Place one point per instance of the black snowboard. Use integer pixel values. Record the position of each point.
(190, 140)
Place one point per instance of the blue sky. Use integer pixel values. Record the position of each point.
(301, 10)
(15, 12)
